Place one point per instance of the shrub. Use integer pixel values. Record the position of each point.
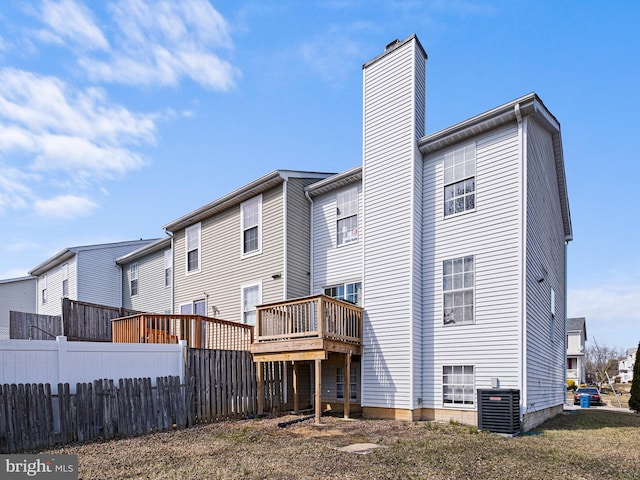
(571, 384)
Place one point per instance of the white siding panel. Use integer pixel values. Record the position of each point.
(391, 218)
(492, 235)
(545, 258)
(152, 296)
(18, 295)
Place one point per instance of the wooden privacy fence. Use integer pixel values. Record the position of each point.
(225, 385)
(32, 418)
(25, 326)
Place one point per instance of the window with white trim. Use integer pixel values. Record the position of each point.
(347, 216)
(197, 307)
(251, 297)
(65, 280)
(133, 279)
(349, 292)
(251, 225)
(168, 268)
(458, 280)
(43, 289)
(458, 385)
(460, 180)
(193, 248)
(340, 384)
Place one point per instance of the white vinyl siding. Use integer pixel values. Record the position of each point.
(223, 271)
(152, 296)
(347, 216)
(333, 265)
(193, 251)
(251, 226)
(545, 259)
(493, 234)
(392, 187)
(18, 295)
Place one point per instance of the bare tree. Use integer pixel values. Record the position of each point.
(601, 360)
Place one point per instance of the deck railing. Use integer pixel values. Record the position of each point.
(310, 317)
(197, 330)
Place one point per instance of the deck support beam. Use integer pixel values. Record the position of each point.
(318, 393)
(296, 398)
(347, 383)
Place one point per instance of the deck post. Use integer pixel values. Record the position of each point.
(296, 399)
(260, 388)
(318, 395)
(347, 383)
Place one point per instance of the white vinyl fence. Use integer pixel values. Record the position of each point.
(44, 361)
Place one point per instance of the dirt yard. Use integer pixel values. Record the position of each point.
(581, 444)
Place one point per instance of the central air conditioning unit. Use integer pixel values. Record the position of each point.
(499, 411)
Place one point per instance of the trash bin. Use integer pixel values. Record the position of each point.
(585, 400)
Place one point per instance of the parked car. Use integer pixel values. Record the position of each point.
(593, 392)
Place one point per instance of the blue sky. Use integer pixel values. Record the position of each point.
(118, 117)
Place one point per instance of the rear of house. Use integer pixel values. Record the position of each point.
(17, 295)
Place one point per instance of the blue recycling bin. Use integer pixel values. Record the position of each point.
(585, 400)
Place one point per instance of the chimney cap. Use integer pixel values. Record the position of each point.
(391, 44)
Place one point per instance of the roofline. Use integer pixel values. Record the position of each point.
(338, 180)
(69, 252)
(395, 44)
(152, 247)
(18, 279)
(527, 105)
(237, 196)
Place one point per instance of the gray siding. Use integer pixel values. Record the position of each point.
(390, 215)
(18, 295)
(492, 234)
(545, 342)
(298, 238)
(333, 264)
(152, 296)
(223, 271)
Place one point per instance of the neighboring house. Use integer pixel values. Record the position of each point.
(87, 273)
(147, 277)
(464, 252)
(18, 295)
(246, 248)
(625, 366)
(576, 338)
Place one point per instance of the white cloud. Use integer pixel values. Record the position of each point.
(14, 192)
(65, 207)
(72, 21)
(162, 42)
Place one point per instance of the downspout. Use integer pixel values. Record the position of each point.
(523, 265)
(566, 244)
(171, 289)
(311, 262)
(120, 284)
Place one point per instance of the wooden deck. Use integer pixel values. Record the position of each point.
(197, 330)
(303, 330)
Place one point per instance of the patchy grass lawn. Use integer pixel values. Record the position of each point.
(583, 444)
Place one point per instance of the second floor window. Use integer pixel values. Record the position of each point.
(250, 219)
(460, 180)
(65, 280)
(168, 270)
(193, 248)
(133, 278)
(458, 280)
(347, 216)
(43, 289)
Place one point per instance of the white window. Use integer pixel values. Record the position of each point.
(347, 216)
(251, 225)
(458, 385)
(133, 279)
(168, 268)
(197, 307)
(251, 296)
(340, 384)
(43, 289)
(65, 280)
(460, 180)
(349, 292)
(458, 279)
(193, 248)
